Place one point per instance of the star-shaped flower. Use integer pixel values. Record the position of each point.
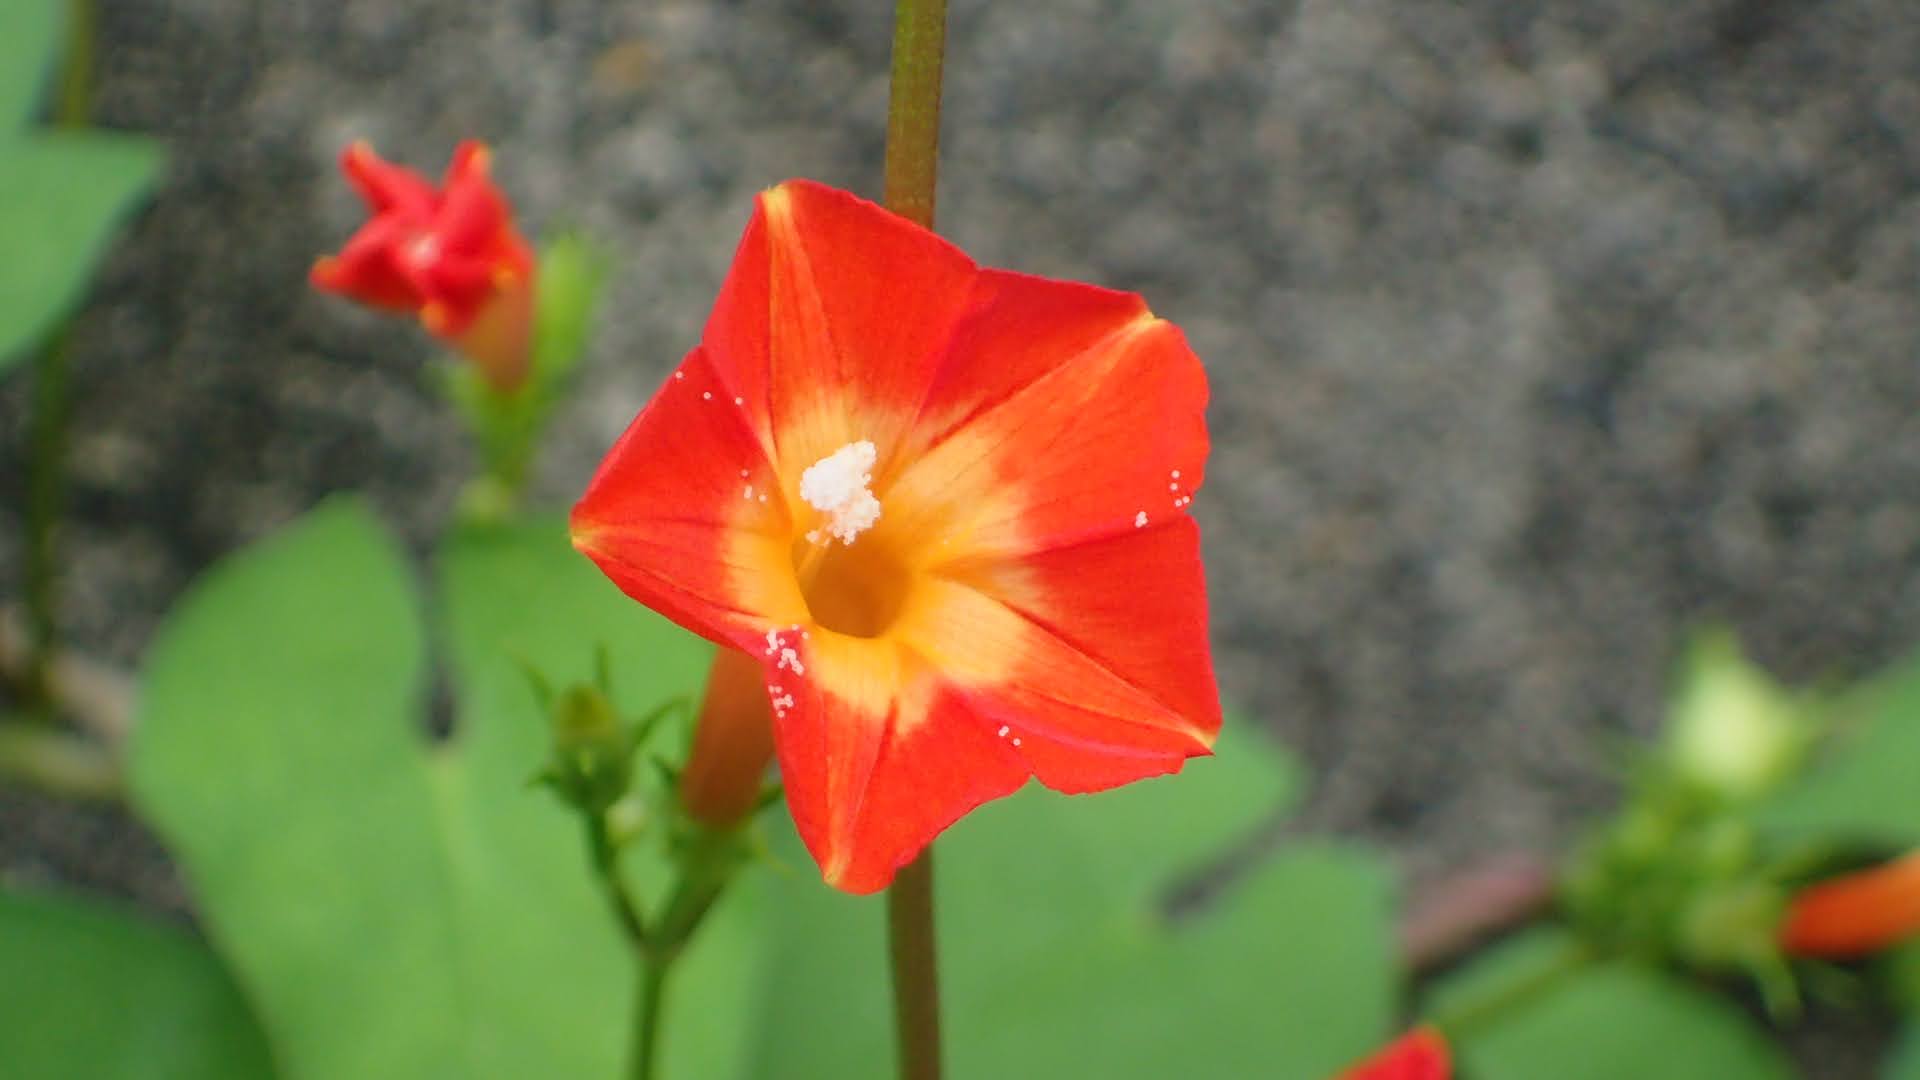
(946, 508)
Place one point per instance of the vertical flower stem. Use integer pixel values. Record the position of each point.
(646, 1023)
(52, 395)
(916, 977)
(913, 108)
(913, 166)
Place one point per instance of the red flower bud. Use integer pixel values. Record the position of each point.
(450, 255)
(1855, 914)
(732, 743)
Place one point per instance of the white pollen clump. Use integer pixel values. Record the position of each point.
(836, 485)
(1003, 731)
(1140, 520)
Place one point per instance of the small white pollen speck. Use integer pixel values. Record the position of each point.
(790, 661)
(837, 486)
(1016, 740)
(1002, 732)
(679, 375)
(739, 401)
(747, 493)
(1176, 474)
(1173, 487)
(1140, 520)
(706, 395)
(763, 498)
(743, 474)
(773, 642)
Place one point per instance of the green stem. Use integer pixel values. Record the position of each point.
(60, 763)
(913, 108)
(606, 867)
(52, 394)
(646, 1022)
(912, 170)
(916, 976)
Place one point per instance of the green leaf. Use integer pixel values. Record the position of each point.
(86, 990)
(61, 198)
(1863, 791)
(1904, 1063)
(1056, 962)
(29, 44)
(1611, 1021)
(400, 908)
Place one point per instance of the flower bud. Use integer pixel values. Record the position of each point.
(449, 255)
(732, 743)
(592, 762)
(1856, 914)
(1733, 732)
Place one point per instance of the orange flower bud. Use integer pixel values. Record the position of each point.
(732, 743)
(1855, 914)
(449, 254)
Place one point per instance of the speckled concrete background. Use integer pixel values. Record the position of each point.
(1538, 332)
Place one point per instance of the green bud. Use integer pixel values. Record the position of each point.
(1732, 926)
(1733, 732)
(592, 762)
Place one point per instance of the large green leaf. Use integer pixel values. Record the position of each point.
(1600, 1022)
(399, 908)
(1864, 790)
(1056, 962)
(61, 198)
(86, 990)
(29, 41)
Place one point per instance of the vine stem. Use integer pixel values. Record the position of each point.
(52, 401)
(916, 980)
(913, 108)
(912, 169)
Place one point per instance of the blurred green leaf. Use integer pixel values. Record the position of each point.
(1055, 961)
(61, 198)
(1611, 1021)
(1901, 968)
(1863, 791)
(400, 908)
(88, 991)
(1904, 1062)
(29, 46)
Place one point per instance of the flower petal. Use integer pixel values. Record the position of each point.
(384, 186)
(1109, 438)
(1856, 914)
(876, 757)
(1132, 608)
(1079, 722)
(832, 321)
(685, 514)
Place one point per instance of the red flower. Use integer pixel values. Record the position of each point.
(1856, 914)
(945, 508)
(1420, 1054)
(449, 254)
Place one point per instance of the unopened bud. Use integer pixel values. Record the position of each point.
(1734, 732)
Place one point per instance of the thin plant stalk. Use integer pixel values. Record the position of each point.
(912, 170)
(52, 404)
